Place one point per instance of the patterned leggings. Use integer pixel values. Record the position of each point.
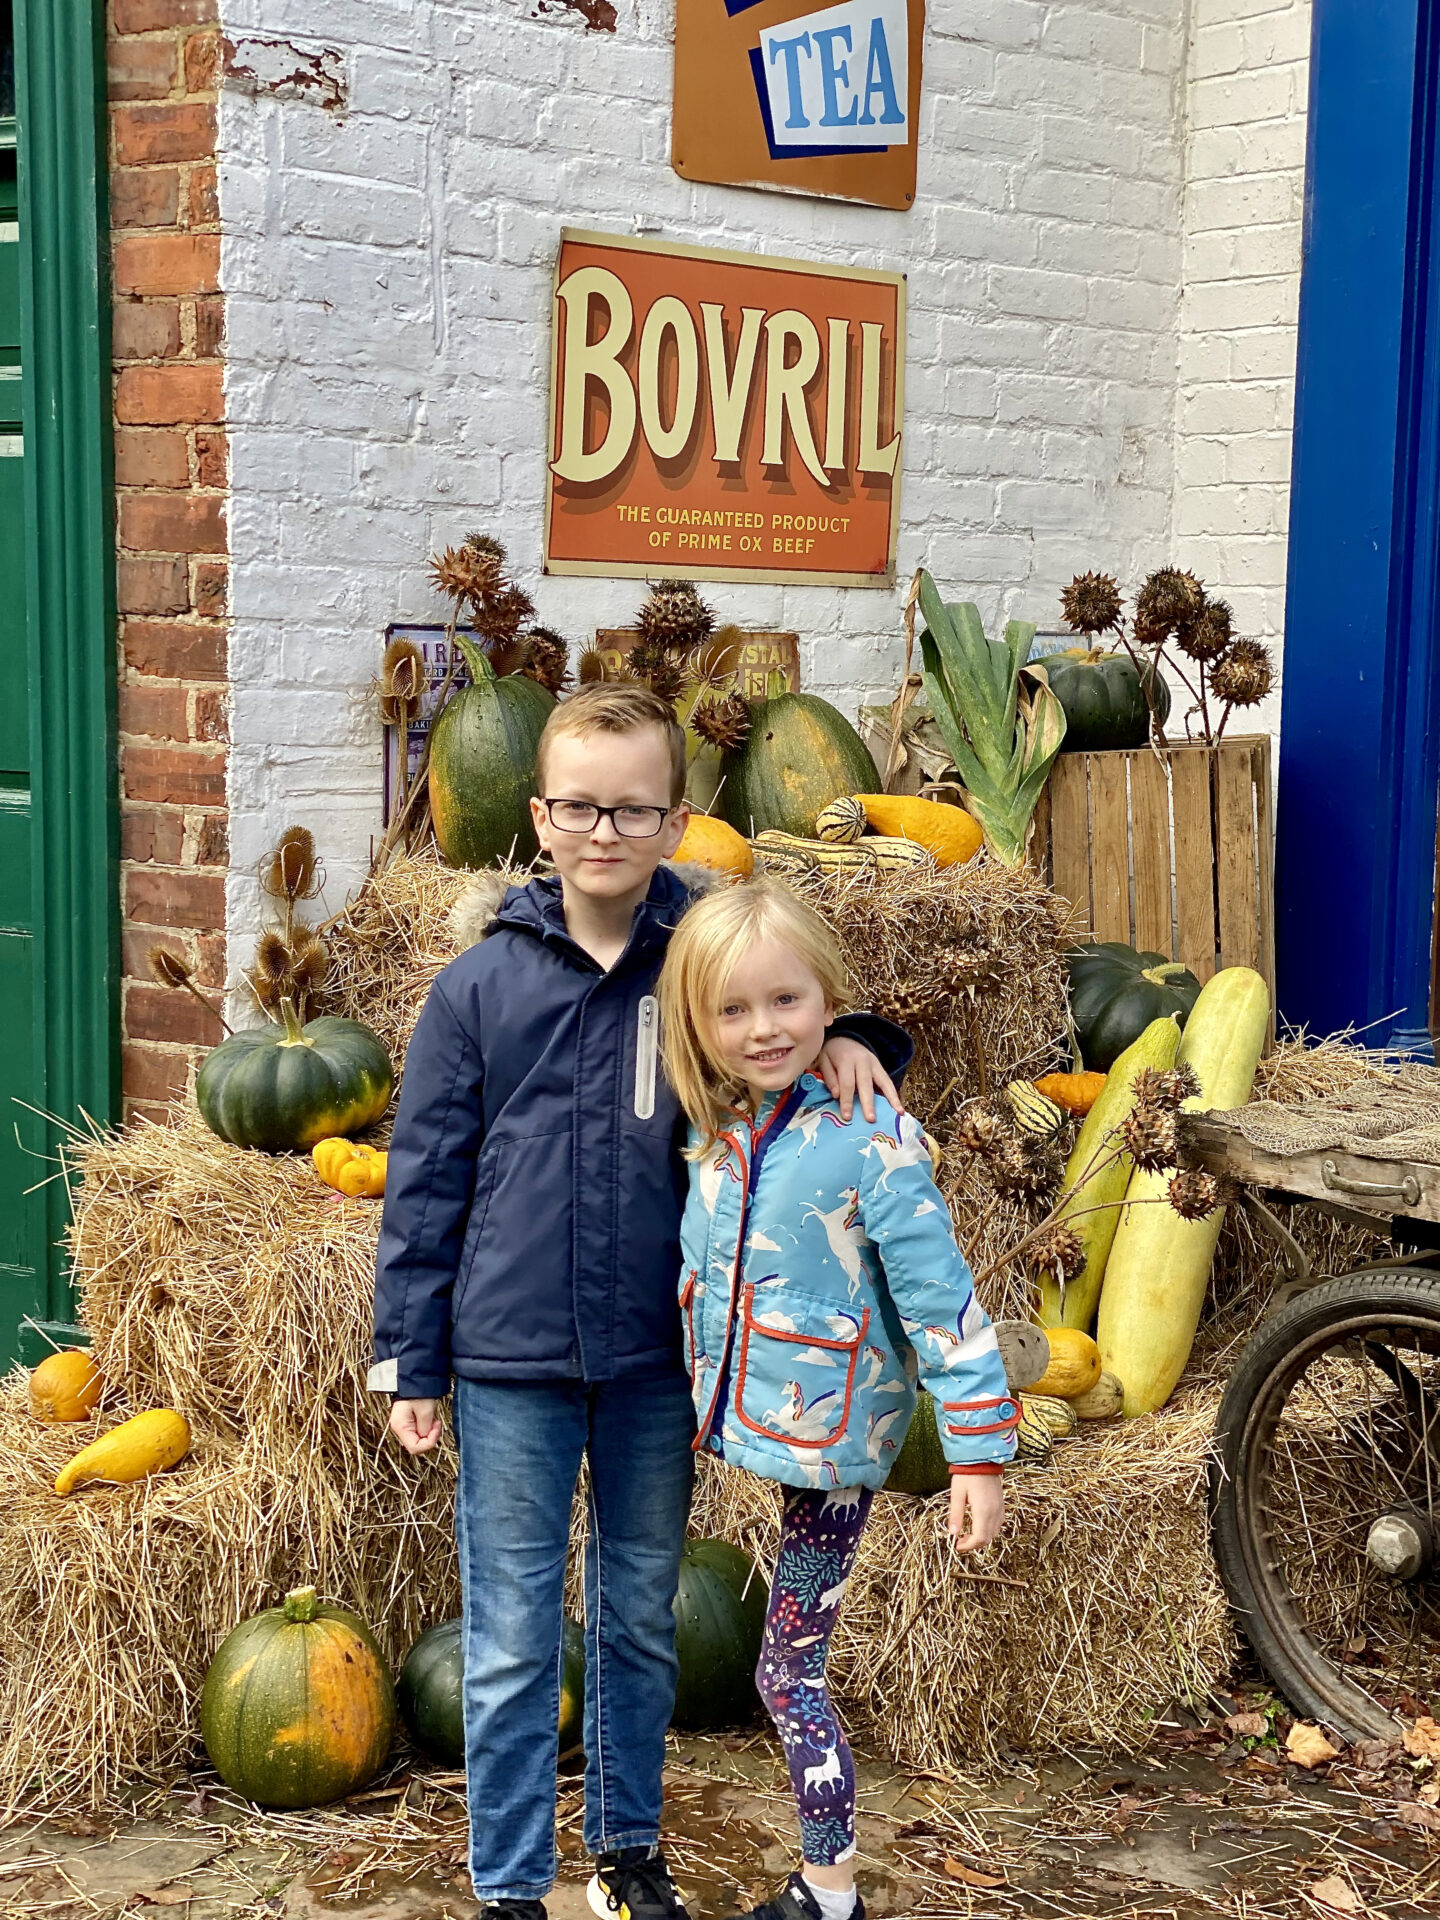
(819, 1535)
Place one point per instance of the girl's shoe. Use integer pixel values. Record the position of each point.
(634, 1884)
(796, 1902)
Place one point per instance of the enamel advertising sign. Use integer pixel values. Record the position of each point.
(724, 416)
(806, 99)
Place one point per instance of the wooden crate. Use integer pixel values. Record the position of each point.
(1171, 852)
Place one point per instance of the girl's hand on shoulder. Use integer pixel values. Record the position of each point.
(416, 1424)
(977, 1507)
(850, 1072)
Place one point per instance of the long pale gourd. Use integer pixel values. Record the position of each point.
(1093, 1208)
(1159, 1265)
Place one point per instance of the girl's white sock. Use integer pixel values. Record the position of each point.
(832, 1905)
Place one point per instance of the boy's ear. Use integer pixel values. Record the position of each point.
(674, 829)
(542, 823)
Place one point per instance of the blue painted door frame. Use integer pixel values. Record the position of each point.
(1359, 743)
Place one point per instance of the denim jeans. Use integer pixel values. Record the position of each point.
(520, 1451)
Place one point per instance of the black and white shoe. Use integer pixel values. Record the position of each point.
(513, 1910)
(634, 1884)
(796, 1902)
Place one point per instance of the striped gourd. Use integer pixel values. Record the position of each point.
(843, 821)
(776, 848)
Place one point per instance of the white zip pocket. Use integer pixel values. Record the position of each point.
(647, 1054)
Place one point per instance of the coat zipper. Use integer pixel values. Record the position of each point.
(647, 1053)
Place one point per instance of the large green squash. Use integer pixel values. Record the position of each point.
(920, 1466)
(482, 765)
(740, 1574)
(297, 1708)
(431, 1692)
(1116, 992)
(1159, 1265)
(283, 1088)
(1103, 695)
(717, 1642)
(801, 753)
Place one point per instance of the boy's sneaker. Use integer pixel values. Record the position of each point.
(634, 1884)
(796, 1902)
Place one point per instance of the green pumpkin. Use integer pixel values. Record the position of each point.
(801, 753)
(1103, 695)
(431, 1691)
(717, 1642)
(1116, 992)
(282, 1088)
(740, 1574)
(482, 765)
(920, 1466)
(297, 1708)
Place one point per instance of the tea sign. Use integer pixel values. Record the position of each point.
(726, 416)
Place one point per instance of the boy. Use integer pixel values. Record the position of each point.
(530, 1247)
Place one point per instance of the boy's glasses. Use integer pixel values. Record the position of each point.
(583, 816)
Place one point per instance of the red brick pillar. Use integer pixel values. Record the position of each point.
(171, 478)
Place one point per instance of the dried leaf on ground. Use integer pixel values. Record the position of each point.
(1334, 1892)
(1422, 1741)
(1414, 1815)
(177, 1896)
(970, 1877)
(1307, 1746)
(1247, 1726)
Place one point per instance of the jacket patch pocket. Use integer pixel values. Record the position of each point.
(795, 1376)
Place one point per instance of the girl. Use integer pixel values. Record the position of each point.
(820, 1277)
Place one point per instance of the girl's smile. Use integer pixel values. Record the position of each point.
(771, 1022)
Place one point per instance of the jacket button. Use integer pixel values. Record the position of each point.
(714, 1443)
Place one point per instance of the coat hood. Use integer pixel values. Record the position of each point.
(498, 897)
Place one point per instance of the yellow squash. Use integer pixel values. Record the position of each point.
(65, 1386)
(950, 833)
(350, 1167)
(715, 843)
(1075, 1092)
(147, 1444)
(1092, 1206)
(1159, 1266)
(1074, 1364)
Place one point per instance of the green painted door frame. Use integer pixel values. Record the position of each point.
(66, 415)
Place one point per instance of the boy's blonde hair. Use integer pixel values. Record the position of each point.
(705, 950)
(620, 706)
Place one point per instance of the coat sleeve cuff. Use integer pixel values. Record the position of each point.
(383, 1377)
(978, 1466)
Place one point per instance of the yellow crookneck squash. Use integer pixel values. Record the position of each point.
(146, 1444)
(350, 1167)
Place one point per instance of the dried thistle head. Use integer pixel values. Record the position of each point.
(292, 871)
(1195, 1194)
(1244, 676)
(663, 672)
(976, 968)
(724, 722)
(1062, 1252)
(547, 659)
(591, 668)
(402, 683)
(1091, 603)
(981, 1130)
(171, 969)
(501, 614)
(1168, 600)
(674, 615)
(1026, 1167)
(1209, 634)
(1164, 1088)
(466, 574)
(487, 546)
(913, 1003)
(1149, 1135)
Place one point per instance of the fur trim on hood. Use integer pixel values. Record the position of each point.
(473, 914)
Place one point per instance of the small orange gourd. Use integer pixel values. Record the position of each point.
(1075, 1092)
(350, 1167)
(65, 1386)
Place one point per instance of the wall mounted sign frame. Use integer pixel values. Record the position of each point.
(725, 416)
(800, 98)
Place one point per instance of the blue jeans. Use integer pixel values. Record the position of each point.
(520, 1451)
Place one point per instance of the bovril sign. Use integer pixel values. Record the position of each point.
(723, 415)
(807, 99)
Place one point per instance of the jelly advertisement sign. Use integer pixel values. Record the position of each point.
(799, 97)
(724, 416)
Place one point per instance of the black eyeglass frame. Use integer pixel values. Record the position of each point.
(606, 813)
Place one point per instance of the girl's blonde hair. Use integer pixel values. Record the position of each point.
(704, 952)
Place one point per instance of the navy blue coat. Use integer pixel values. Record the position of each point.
(532, 1214)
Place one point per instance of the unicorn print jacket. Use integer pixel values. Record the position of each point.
(820, 1280)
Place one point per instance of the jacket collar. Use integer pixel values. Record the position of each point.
(809, 1090)
(538, 909)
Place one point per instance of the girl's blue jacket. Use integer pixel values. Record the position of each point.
(535, 1185)
(821, 1278)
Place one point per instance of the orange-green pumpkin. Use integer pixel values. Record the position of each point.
(431, 1689)
(800, 754)
(298, 1708)
(282, 1088)
(482, 765)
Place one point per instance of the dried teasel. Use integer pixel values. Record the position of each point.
(402, 683)
(269, 971)
(292, 870)
(1149, 1135)
(172, 969)
(309, 962)
(1244, 676)
(591, 668)
(1091, 603)
(725, 723)
(1195, 1194)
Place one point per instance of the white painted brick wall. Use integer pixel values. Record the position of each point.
(1245, 106)
(388, 281)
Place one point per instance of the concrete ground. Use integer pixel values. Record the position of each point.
(1207, 1821)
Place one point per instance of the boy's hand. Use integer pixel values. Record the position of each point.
(416, 1424)
(977, 1506)
(850, 1070)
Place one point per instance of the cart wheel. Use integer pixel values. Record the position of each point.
(1325, 1499)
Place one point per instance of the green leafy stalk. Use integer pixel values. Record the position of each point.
(998, 718)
